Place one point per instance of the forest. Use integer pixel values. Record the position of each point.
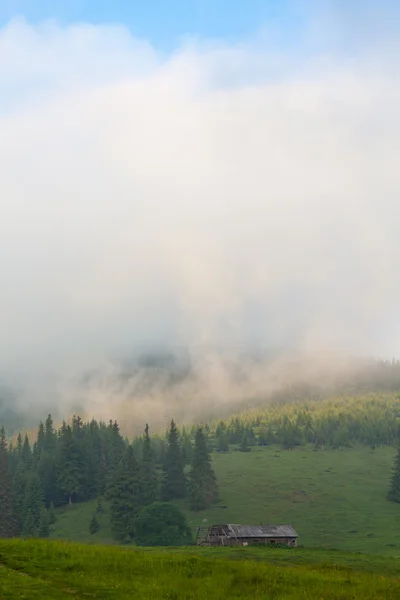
(81, 461)
(87, 460)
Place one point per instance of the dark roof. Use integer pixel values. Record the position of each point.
(261, 531)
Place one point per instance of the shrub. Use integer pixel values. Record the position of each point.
(162, 524)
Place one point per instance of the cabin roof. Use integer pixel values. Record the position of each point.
(261, 531)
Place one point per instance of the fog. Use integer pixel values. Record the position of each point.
(221, 196)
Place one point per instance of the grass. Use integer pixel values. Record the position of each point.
(333, 498)
(73, 524)
(46, 570)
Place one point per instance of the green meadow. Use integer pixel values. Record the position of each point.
(335, 499)
(49, 570)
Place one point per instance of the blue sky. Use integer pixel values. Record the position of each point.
(342, 24)
(163, 22)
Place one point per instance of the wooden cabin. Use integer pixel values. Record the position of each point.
(246, 535)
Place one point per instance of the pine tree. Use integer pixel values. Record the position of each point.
(94, 525)
(124, 494)
(148, 476)
(8, 521)
(174, 478)
(394, 489)
(203, 489)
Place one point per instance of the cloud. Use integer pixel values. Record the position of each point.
(222, 194)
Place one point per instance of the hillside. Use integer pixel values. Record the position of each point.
(45, 570)
(334, 498)
(322, 465)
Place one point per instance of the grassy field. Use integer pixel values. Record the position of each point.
(333, 498)
(45, 570)
(73, 524)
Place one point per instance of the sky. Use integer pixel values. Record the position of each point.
(164, 22)
(198, 173)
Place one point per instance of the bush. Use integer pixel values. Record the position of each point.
(162, 524)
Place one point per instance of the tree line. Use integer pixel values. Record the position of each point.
(370, 419)
(86, 460)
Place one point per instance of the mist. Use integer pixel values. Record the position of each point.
(221, 196)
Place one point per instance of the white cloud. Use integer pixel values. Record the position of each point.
(220, 194)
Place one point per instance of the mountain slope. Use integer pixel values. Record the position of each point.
(333, 498)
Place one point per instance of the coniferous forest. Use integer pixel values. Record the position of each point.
(86, 460)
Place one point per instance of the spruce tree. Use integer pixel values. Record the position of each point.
(394, 489)
(50, 438)
(8, 521)
(19, 445)
(70, 468)
(244, 444)
(95, 462)
(174, 478)
(38, 446)
(236, 431)
(186, 447)
(19, 484)
(148, 476)
(94, 524)
(34, 499)
(263, 438)
(46, 470)
(221, 438)
(26, 453)
(203, 489)
(124, 494)
(115, 446)
(114, 451)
